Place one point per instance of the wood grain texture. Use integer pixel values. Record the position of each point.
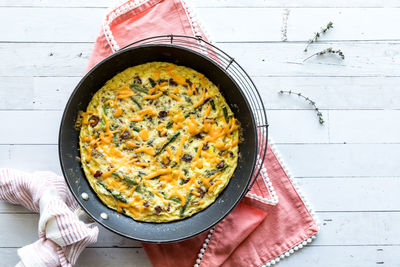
(371, 59)
(93, 257)
(338, 228)
(211, 3)
(341, 93)
(78, 25)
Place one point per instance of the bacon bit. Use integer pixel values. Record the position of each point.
(158, 209)
(199, 136)
(189, 82)
(94, 120)
(202, 192)
(125, 135)
(137, 80)
(205, 147)
(187, 158)
(221, 165)
(98, 173)
(172, 82)
(162, 114)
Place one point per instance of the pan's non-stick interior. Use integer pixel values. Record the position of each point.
(69, 147)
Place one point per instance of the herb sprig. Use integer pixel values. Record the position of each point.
(329, 50)
(318, 34)
(319, 114)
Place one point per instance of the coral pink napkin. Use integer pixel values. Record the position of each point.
(62, 236)
(257, 232)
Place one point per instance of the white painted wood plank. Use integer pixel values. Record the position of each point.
(24, 231)
(30, 157)
(50, 24)
(350, 256)
(36, 92)
(338, 228)
(358, 228)
(262, 24)
(41, 59)
(328, 92)
(104, 257)
(304, 160)
(297, 126)
(58, 3)
(334, 160)
(352, 194)
(364, 126)
(28, 127)
(93, 257)
(43, 126)
(10, 208)
(331, 92)
(286, 59)
(349, 23)
(258, 59)
(212, 3)
(329, 194)
(313, 256)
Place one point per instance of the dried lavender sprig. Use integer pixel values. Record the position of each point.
(329, 50)
(318, 34)
(319, 114)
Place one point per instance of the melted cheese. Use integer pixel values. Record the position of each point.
(124, 143)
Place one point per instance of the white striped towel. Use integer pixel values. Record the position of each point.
(62, 236)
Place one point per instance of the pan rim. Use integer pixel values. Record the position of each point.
(210, 224)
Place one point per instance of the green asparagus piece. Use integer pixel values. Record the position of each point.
(112, 193)
(170, 140)
(186, 203)
(138, 88)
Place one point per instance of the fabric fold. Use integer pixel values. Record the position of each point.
(62, 236)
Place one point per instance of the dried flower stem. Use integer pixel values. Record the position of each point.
(319, 114)
(329, 50)
(318, 34)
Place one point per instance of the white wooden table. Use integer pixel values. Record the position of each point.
(349, 168)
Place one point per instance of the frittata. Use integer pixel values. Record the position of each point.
(158, 142)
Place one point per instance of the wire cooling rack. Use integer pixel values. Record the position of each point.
(237, 73)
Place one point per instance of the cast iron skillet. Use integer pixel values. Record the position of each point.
(69, 147)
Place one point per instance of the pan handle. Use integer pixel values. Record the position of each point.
(83, 216)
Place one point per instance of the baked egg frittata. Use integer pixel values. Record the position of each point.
(158, 142)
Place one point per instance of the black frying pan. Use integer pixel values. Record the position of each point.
(69, 148)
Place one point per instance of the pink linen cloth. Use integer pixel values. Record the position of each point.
(62, 236)
(256, 232)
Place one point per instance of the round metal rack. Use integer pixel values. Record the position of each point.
(237, 73)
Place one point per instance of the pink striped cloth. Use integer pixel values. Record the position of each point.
(62, 236)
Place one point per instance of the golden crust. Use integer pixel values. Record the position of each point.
(158, 142)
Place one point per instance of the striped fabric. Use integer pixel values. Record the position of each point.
(62, 236)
